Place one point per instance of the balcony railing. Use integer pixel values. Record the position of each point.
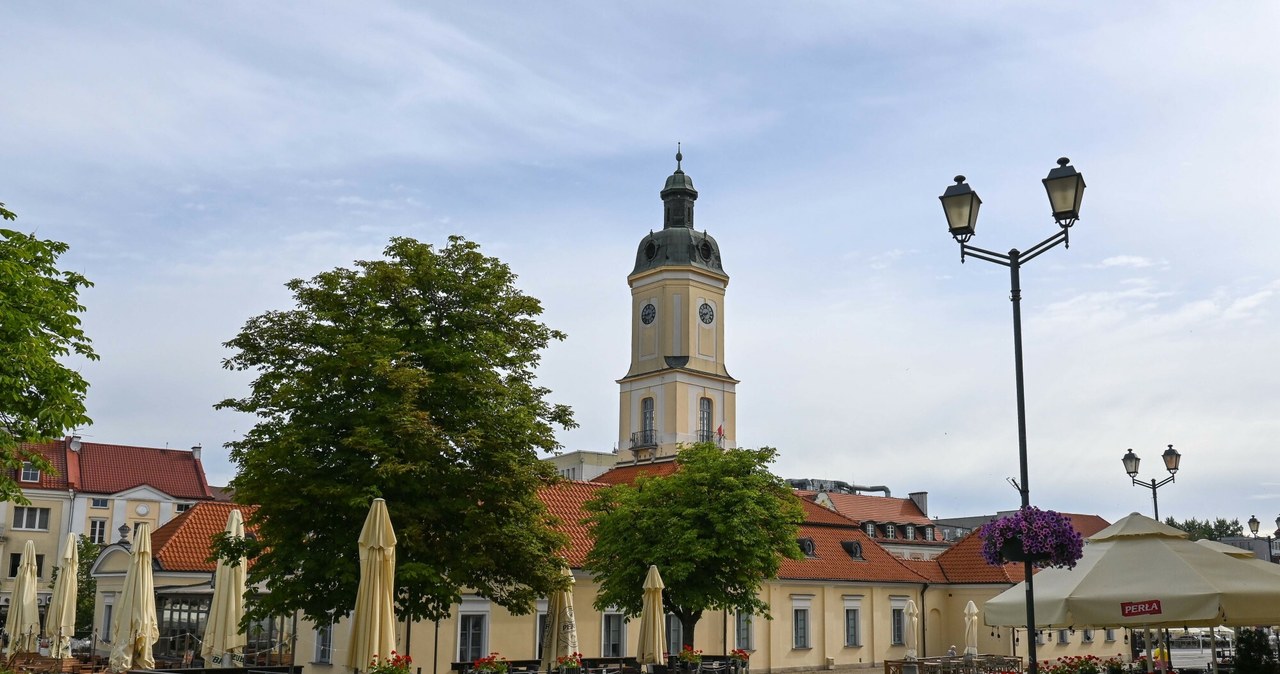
(645, 438)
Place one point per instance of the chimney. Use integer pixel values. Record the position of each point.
(921, 499)
(195, 452)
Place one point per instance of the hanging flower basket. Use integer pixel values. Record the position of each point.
(1033, 536)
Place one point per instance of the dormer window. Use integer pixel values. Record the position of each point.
(890, 531)
(807, 546)
(854, 548)
(29, 472)
(911, 532)
(870, 528)
(928, 533)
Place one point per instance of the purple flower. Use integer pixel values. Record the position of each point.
(1046, 537)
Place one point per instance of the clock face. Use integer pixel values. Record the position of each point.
(706, 313)
(648, 313)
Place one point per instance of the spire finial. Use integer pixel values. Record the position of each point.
(679, 156)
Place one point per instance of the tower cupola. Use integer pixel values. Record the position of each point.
(678, 196)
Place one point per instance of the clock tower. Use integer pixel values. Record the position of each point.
(677, 390)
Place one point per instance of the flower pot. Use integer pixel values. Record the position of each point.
(1012, 551)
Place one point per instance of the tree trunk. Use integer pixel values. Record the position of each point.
(688, 621)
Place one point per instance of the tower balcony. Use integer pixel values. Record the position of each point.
(644, 439)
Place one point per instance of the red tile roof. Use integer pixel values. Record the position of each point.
(929, 568)
(963, 563)
(109, 469)
(1087, 525)
(832, 562)
(564, 500)
(185, 542)
(630, 472)
(861, 507)
(56, 456)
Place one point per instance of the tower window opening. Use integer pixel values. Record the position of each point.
(705, 432)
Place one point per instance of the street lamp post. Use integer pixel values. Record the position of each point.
(1065, 187)
(1171, 460)
(1253, 528)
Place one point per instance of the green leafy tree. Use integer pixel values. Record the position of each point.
(1253, 652)
(1211, 529)
(717, 528)
(40, 397)
(86, 585)
(409, 378)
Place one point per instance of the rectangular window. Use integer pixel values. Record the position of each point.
(98, 531)
(742, 631)
(675, 633)
(870, 528)
(898, 620)
(34, 519)
(538, 638)
(852, 621)
(1110, 634)
(1041, 639)
(911, 532)
(98, 503)
(890, 531)
(705, 432)
(324, 644)
(614, 637)
(471, 634)
(106, 623)
(29, 472)
(800, 627)
(182, 507)
(15, 558)
(1088, 636)
(1063, 637)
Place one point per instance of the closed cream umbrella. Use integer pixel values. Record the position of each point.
(560, 636)
(653, 631)
(223, 642)
(970, 629)
(60, 618)
(912, 619)
(23, 622)
(373, 627)
(133, 624)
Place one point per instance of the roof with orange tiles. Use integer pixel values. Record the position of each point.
(564, 500)
(1087, 525)
(55, 455)
(964, 563)
(184, 543)
(818, 514)
(831, 561)
(629, 472)
(862, 507)
(929, 568)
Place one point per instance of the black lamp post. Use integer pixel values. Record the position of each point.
(1065, 187)
(1171, 460)
(1253, 528)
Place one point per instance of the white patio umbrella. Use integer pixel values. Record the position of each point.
(23, 621)
(1246, 556)
(653, 631)
(1139, 572)
(970, 629)
(560, 636)
(223, 642)
(373, 627)
(60, 618)
(133, 624)
(913, 616)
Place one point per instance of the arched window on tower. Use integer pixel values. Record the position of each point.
(705, 432)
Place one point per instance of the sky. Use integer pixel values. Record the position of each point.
(197, 156)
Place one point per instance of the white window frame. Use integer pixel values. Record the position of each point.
(870, 529)
(29, 512)
(706, 412)
(853, 609)
(477, 607)
(324, 645)
(1064, 637)
(743, 623)
(99, 503)
(801, 637)
(1088, 636)
(648, 414)
(675, 632)
(539, 624)
(910, 532)
(101, 524)
(1110, 634)
(890, 530)
(610, 615)
(29, 472)
(898, 620)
